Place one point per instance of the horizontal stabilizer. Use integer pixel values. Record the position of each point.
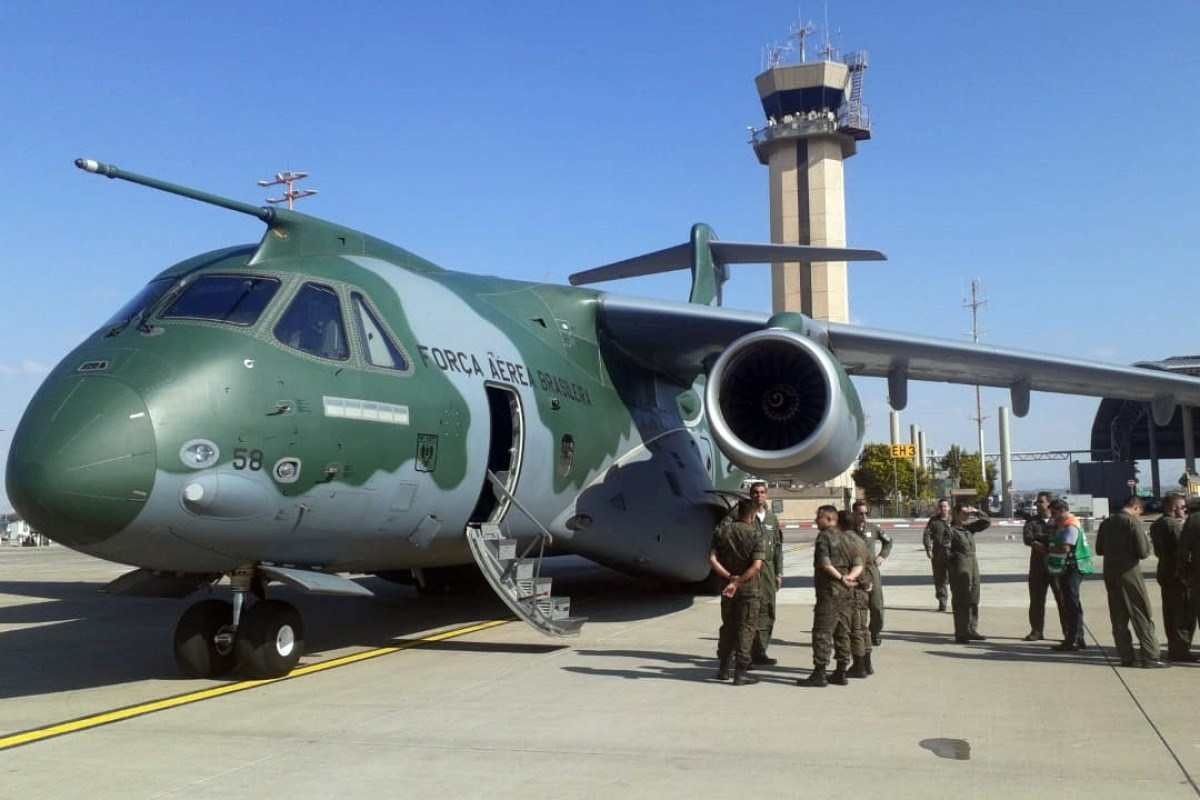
(679, 257)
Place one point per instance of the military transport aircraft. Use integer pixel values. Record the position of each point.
(324, 403)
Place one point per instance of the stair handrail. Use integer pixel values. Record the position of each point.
(543, 540)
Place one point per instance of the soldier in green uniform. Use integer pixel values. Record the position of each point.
(737, 557)
(860, 617)
(1037, 533)
(964, 571)
(1123, 544)
(874, 536)
(935, 539)
(772, 573)
(837, 565)
(1178, 620)
(1189, 563)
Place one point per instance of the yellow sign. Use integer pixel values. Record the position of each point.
(904, 451)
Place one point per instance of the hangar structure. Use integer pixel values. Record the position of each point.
(1124, 430)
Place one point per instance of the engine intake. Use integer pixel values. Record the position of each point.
(779, 404)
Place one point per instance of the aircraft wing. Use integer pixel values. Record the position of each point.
(679, 339)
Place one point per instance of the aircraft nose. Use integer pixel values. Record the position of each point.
(82, 461)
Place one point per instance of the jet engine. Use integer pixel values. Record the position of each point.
(779, 404)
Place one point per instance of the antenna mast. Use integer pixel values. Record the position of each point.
(291, 194)
(975, 303)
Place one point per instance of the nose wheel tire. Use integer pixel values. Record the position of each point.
(198, 652)
(270, 639)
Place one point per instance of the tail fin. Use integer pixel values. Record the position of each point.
(707, 257)
(708, 277)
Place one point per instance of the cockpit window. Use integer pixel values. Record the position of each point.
(143, 300)
(381, 351)
(313, 323)
(236, 299)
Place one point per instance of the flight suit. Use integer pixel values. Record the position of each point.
(1040, 531)
(1189, 561)
(963, 569)
(772, 570)
(935, 539)
(873, 536)
(1179, 622)
(832, 624)
(738, 545)
(1123, 544)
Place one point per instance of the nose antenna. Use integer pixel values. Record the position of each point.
(267, 215)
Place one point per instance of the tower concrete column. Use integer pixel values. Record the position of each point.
(1006, 504)
(815, 118)
(894, 425)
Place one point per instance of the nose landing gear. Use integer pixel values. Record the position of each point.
(264, 640)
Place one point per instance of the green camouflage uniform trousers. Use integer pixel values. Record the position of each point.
(737, 546)
(834, 629)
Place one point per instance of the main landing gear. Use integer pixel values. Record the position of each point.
(265, 639)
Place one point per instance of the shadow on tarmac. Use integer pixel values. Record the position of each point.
(75, 637)
(678, 667)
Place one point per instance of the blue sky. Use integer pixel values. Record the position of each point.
(1047, 149)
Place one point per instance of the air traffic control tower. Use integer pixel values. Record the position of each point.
(815, 120)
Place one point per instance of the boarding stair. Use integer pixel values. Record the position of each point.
(516, 577)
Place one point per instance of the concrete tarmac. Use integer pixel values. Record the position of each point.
(628, 709)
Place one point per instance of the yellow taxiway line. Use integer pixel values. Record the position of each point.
(129, 712)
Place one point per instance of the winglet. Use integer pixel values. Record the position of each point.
(267, 215)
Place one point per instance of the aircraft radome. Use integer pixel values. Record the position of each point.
(324, 402)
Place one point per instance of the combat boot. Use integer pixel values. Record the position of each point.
(858, 669)
(740, 678)
(725, 672)
(941, 605)
(816, 678)
(867, 663)
(839, 675)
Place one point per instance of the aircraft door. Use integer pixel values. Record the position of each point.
(505, 445)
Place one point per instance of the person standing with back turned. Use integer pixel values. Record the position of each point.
(1123, 544)
(1178, 620)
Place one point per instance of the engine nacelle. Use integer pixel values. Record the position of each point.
(779, 404)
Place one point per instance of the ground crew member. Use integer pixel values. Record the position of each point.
(837, 565)
(1123, 544)
(937, 535)
(1179, 622)
(860, 619)
(1037, 533)
(874, 536)
(737, 557)
(772, 573)
(1063, 566)
(1189, 561)
(964, 571)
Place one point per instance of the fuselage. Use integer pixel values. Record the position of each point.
(292, 404)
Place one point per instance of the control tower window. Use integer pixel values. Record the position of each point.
(381, 351)
(235, 299)
(313, 323)
(141, 302)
